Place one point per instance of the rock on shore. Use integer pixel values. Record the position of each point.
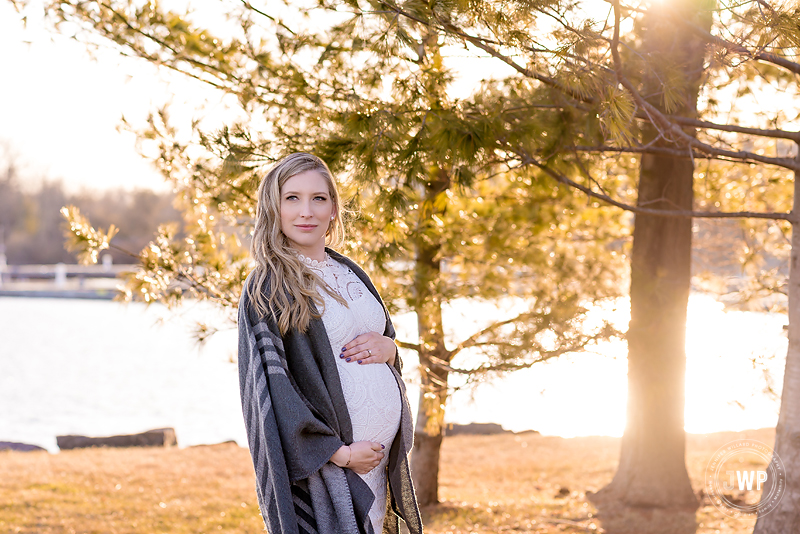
(23, 447)
(159, 437)
(478, 429)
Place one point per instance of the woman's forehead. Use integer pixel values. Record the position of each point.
(308, 181)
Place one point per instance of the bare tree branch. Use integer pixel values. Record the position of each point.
(451, 28)
(760, 55)
(664, 124)
(280, 23)
(407, 345)
(560, 177)
(473, 339)
(778, 134)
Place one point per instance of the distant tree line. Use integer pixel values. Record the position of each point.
(31, 225)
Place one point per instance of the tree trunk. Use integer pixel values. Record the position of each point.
(433, 391)
(786, 516)
(652, 470)
(428, 437)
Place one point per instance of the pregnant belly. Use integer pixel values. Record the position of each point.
(373, 401)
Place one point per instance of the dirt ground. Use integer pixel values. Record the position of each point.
(520, 483)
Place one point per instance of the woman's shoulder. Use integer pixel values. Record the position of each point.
(255, 282)
(245, 297)
(250, 281)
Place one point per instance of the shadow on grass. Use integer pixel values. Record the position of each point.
(464, 517)
(618, 519)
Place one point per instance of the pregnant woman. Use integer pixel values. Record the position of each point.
(327, 418)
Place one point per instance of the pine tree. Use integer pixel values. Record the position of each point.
(439, 214)
(591, 84)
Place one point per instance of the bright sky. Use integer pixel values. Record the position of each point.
(60, 111)
(61, 108)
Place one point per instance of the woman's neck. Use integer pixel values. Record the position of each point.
(317, 254)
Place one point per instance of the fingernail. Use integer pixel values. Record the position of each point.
(344, 349)
(383, 446)
(347, 360)
(341, 355)
(359, 361)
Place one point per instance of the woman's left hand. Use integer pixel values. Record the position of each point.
(371, 347)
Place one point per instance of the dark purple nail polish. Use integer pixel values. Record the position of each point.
(341, 355)
(344, 349)
(347, 360)
(383, 446)
(359, 361)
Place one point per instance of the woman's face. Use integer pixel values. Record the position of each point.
(306, 211)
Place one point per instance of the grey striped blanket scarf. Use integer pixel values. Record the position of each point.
(296, 418)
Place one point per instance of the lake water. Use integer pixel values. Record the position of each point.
(102, 368)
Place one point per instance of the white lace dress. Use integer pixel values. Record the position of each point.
(370, 390)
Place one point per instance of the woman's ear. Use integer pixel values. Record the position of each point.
(330, 223)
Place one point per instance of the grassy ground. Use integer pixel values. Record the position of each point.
(489, 484)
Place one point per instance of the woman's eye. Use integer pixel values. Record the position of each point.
(322, 198)
(291, 197)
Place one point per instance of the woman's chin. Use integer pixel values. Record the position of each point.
(308, 244)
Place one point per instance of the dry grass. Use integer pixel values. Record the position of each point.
(105, 491)
(507, 483)
(516, 483)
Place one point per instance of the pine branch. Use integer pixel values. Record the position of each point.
(206, 67)
(686, 121)
(509, 366)
(472, 340)
(663, 123)
(280, 23)
(761, 132)
(560, 177)
(760, 55)
(691, 141)
(669, 122)
(481, 43)
(644, 149)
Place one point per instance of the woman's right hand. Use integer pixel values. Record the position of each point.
(364, 456)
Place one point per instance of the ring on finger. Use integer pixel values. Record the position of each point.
(369, 352)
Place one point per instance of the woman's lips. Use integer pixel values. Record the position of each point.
(306, 226)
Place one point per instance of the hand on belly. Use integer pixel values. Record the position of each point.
(360, 456)
(370, 347)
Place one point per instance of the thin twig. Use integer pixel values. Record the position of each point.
(526, 159)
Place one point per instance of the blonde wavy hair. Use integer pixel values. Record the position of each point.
(284, 286)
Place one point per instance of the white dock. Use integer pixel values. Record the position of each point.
(62, 280)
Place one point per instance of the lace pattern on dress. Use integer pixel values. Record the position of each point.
(370, 390)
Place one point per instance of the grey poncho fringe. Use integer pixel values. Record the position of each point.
(296, 418)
